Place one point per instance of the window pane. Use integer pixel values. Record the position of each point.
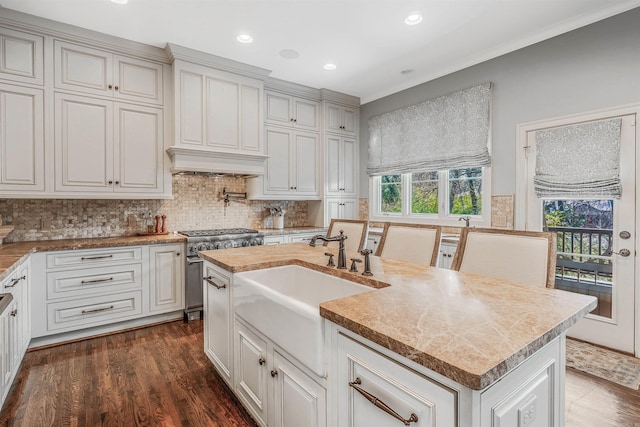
(465, 191)
(390, 193)
(424, 192)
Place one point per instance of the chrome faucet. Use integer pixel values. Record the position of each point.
(342, 256)
(466, 220)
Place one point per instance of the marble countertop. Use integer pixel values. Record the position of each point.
(469, 328)
(12, 254)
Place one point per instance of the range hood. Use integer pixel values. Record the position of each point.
(216, 162)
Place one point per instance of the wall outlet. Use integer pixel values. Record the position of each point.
(132, 221)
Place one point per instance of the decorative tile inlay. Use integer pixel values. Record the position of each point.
(197, 204)
(502, 211)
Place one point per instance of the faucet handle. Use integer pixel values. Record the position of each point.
(330, 263)
(366, 252)
(354, 268)
(367, 262)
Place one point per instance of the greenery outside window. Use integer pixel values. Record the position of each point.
(437, 196)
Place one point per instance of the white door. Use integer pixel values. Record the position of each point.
(596, 240)
(306, 147)
(137, 80)
(222, 121)
(278, 149)
(166, 289)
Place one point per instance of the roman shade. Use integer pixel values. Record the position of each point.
(581, 160)
(448, 132)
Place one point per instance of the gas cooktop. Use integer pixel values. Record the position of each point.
(217, 232)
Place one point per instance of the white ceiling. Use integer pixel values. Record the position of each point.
(366, 39)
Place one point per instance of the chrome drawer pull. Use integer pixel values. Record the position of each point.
(95, 310)
(84, 282)
(413, 418)
(15, 281)
(194, 261)
(210, 281)
(89, 258)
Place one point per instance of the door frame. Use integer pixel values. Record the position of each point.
(522, 202)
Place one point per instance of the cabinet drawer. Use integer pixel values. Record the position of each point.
(410, 394)
(86, 282)
(94, 257)
(93, 311)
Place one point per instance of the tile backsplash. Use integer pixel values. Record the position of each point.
(198, 203)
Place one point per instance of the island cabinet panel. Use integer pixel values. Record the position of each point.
(251, 371)
(364, 375)
(217, 317)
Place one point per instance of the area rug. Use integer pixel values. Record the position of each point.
(610, 365)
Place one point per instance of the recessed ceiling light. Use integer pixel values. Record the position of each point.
(330, 66)
(289, 53)
(244, 38)
(414, 18)
(120, 1)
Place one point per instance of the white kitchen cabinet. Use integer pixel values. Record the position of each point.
(166, 286)
(446, 253)
(297, 399)
(21, 57)
(106, 147)
(22, 163)
(218, 327)
(217, 110)
(341, 119)
(341, 166)
(291, 111)
(15, 325)
(274, 389)
(98, 72)
(292, 167)
(338, 208)
(364, 374)
(274, 240)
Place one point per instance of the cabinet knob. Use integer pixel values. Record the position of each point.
(14, 313)
(177, 253)
(110, 182)
(261, 361)
(274, 373)
(116, 88)
(295, 120)
(117, 182)
(291, 119)
(110, 86)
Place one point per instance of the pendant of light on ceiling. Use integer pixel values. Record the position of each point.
(414, 18)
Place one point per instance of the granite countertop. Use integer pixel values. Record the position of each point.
(469, 328)
(292, 230)
(12, 254)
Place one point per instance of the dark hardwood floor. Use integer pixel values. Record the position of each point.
(156, 376)
(159, 376)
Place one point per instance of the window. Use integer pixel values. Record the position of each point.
(431, 196)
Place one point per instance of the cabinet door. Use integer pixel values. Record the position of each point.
(21, 56)
(6, 350)
(298, 400)
(83, 69)
(137, 80)
(21, 139)
(333, 118)
(334, 163)
(217, 324)
(306, 163)
(447, 251)
(305, 114)
(349, 166)
(278, 143)
(222, 113)
(418, 400)
(340, 209)
(372, 242)
(83, 144)
(251, 371)
(273, 240)
(138, 149)
(190, 108)
(278, 108)
(166, 287)
(23, 297)
(251, 118)
(349, 120)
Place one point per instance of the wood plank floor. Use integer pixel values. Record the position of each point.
(159, 376)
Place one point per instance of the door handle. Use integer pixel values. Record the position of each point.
(623, 252)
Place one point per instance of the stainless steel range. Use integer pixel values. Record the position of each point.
(205, 240)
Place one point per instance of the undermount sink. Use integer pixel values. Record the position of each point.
(283, 304)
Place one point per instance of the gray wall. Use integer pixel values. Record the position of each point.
(590, 68)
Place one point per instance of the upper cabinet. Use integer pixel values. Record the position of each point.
(341, 119)
(341, 166)
(21, 139)
(217, 110)
(285, 110)
(94, 71)
(21, 57)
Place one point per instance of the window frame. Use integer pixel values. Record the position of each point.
(442, 217)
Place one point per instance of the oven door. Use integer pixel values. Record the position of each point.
(193, 284)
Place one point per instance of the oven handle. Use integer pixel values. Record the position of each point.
(194, 260)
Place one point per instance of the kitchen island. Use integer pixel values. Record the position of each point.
(495, 348)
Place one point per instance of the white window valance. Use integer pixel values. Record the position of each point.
(448, 132)
(581, 160)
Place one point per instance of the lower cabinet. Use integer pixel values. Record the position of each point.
(446, 254)
(290, 238)
(166, 287)
(273, 388)
(217, 321)
(376, 391)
